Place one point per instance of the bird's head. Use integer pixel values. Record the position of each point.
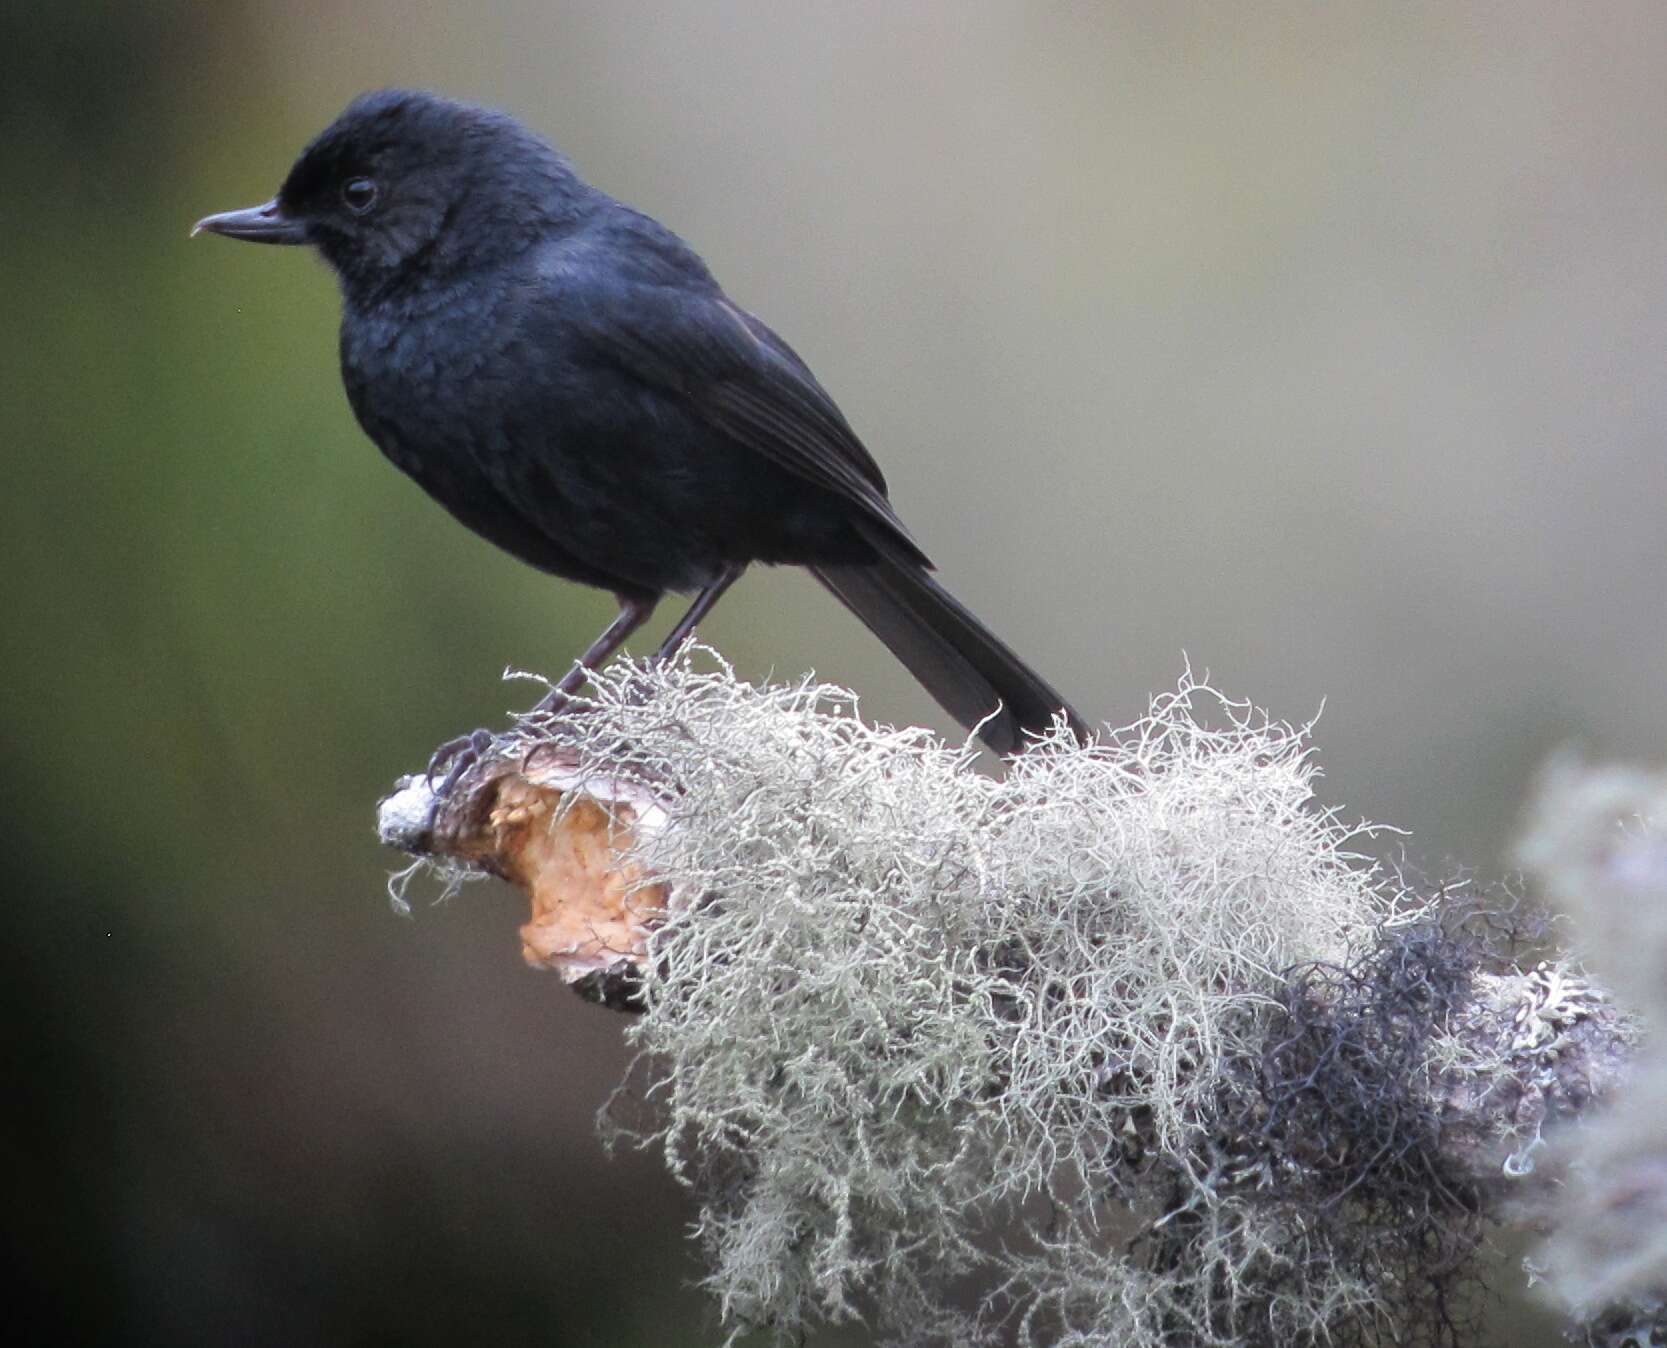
(406, 185)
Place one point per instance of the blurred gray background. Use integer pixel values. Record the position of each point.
(1317, 342)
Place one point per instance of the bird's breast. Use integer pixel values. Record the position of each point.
(411, 376)
(484, 421)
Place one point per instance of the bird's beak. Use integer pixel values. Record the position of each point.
(269, 223)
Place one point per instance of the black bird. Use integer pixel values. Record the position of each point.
(563, 374)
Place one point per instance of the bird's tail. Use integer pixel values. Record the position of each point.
(971, 672)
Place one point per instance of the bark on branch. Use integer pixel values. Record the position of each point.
(563, 840)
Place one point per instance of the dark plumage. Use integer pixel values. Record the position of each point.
(564, 376)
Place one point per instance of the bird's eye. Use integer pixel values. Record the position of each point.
(359, 194)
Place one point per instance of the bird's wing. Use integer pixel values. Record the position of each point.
(741, 379)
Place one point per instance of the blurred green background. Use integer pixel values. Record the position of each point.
(1319, 342)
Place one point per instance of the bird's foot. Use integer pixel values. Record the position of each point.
(457, 757)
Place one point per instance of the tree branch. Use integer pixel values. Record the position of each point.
(1271, 1094)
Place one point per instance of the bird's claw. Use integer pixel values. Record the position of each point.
(457, 757)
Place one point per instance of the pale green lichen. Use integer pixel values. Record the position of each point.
(931, 1023)
(1596, 838)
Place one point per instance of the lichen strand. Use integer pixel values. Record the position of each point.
(1597, 839)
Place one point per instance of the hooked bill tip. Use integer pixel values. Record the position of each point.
(266, 223)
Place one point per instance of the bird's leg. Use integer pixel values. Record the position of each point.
(633, 613)
(698, 610)
(459, 755)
